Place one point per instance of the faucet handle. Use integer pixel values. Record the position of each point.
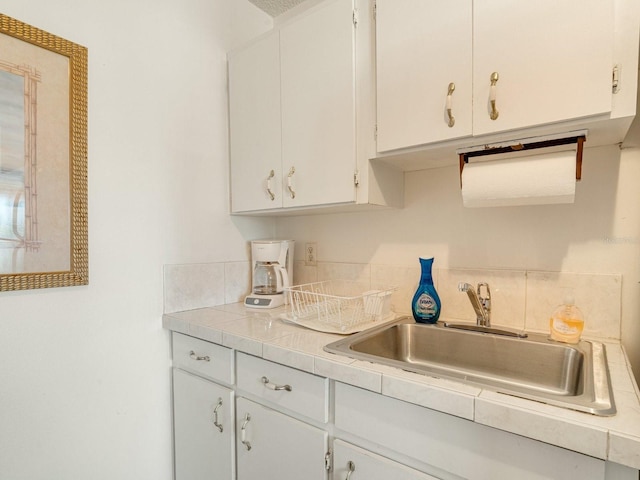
(486, 301)
(464, 287)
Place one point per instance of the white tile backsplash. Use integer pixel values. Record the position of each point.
(520, 299)
(405, 278)
(507, 287)
(598, 296)
(237, 281)
(191, 286)
(355, 272)
(199, 285)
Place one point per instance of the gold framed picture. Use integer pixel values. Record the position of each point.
(43, 159)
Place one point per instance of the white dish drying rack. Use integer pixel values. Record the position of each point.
(338, 306)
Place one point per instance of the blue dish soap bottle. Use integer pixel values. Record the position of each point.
(426, 302)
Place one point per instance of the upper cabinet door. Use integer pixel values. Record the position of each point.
(254, 122)
(553, 59)
(423, 47)
(318, 106)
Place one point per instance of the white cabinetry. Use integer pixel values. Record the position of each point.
(254, 123)
(553, 59)
(279, 428)
(272, 445)
(356, 463)
(317, 54)
(284, 387)
(302, 115)
(451, 444)
(203, 428)
(203, 410)
(422, 46)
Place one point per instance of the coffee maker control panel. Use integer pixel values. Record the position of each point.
(255, 301)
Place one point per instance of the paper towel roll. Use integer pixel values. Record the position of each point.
(526, 180)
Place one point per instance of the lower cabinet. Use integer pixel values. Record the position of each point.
(451, 444)
(355, 463)
(203, 428)
(271, 445)
(272, 422)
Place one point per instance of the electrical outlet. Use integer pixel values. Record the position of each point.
(311, 254)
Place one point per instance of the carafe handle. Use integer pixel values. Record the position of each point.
(285, 278)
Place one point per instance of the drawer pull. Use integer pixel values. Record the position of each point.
(193, 356)
(215, 415)
(352, 468)
(273, 386)
(243, 432)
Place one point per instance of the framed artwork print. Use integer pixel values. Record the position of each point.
(43, 159)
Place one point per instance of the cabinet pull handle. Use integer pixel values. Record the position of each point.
(271, 195)
(292, 170)
(273, 386)
(194, 356)
(243, 432)
(215, 415)
(492, 96)
(352, 468)
(452, 120)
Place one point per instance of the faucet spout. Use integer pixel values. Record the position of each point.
(481, 305)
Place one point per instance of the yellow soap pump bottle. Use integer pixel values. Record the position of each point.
(567, 322)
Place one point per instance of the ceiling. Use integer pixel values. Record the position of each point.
(275, 7)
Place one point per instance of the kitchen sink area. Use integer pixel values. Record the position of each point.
(536, 368)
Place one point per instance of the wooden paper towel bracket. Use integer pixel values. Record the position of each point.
(528, 144)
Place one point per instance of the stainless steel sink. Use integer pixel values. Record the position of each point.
(569, 376)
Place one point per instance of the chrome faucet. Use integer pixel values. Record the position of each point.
(481, 304)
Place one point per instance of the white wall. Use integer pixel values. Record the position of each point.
(600, 233)
(84, 372)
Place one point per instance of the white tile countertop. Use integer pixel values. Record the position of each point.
(263, 334)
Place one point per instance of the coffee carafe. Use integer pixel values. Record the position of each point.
(272, 272)
(269, 278)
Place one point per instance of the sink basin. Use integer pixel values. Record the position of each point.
(536, 368)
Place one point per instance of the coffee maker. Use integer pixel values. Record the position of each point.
(272, 272)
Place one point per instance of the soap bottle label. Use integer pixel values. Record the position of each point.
(426, 306)
(565, 326)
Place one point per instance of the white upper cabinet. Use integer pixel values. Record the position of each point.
(254, 123)
(554, 60)
(292, 114)
(318, 106)
(302, 115)
(551, 61)
(423, 47)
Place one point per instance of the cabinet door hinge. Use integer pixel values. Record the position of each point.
(615, 79)
(375, 11)
(355, 17)
(375, 132)
(356, 178)
(328, 461)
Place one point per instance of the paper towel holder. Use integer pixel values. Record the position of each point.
(527, 144)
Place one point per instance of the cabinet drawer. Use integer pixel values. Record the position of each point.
(287, 387)
(204, 358)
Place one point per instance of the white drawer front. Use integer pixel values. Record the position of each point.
(204, 358)
(293, 389)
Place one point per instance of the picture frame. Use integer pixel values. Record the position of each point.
(43, 162)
